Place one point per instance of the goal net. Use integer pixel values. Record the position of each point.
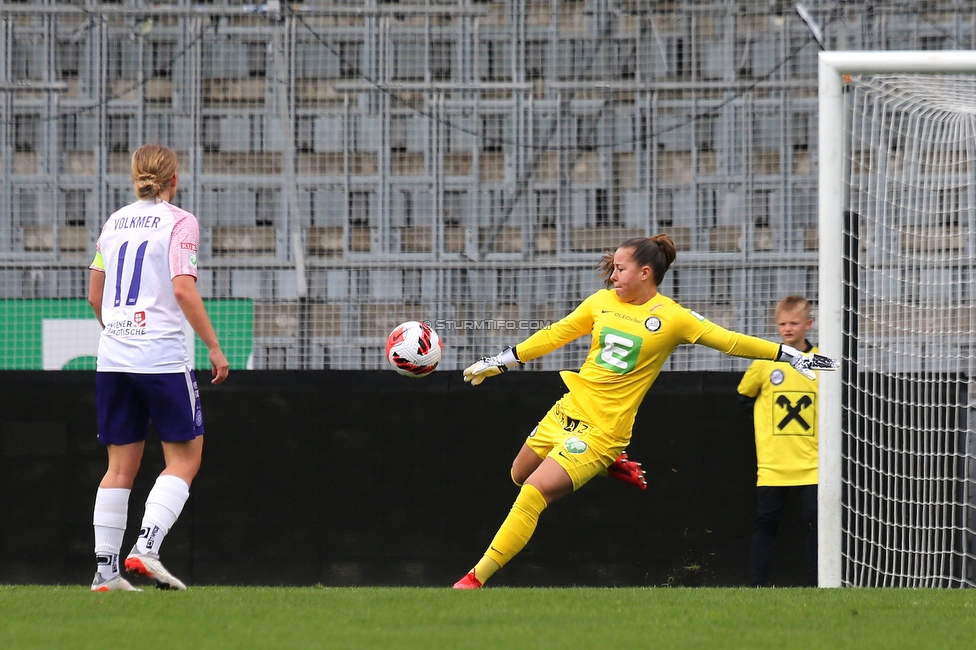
(906, 213)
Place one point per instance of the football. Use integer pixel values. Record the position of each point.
(413, 349)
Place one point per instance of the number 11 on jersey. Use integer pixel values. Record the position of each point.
(136, 280)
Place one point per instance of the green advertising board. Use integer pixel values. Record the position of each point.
(63, 334)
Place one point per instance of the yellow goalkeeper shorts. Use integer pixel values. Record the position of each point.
(580, 448)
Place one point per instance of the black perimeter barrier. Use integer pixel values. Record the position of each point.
(354, 478)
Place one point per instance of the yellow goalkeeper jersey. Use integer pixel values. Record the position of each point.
(630, 345)
(785, 419)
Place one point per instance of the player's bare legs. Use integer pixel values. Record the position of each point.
(526, 462)
(123, 465)
(183, 459)
(551, 480)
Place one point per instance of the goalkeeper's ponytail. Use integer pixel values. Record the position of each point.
(656, 252)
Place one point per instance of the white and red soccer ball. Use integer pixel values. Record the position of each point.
(413, 349)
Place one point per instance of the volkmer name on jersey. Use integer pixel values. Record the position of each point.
(146, 221)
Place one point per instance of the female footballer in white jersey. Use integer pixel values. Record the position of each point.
(143, 289)
(634, 329)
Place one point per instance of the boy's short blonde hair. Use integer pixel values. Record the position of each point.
(794, 303)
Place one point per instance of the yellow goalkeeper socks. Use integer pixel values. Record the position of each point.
(485, 568)
(514, 533)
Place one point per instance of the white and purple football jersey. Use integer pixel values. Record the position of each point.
(141, 249)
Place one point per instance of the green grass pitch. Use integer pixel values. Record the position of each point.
(250, 617)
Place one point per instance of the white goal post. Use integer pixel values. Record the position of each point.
(846, 554)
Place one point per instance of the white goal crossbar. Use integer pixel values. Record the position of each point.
(833, 68)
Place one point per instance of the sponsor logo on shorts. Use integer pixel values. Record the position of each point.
(534, 431)
(575, 446)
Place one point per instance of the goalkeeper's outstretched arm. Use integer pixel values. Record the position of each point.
(742, 345)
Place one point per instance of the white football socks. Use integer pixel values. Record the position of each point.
(163, 507)
(108, 520)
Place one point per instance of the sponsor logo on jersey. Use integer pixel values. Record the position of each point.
(193, 260)
(619, 351)
(140, 318)
(776, 377)
(188, 246)
(575, 446)
(124, 329)
(696, 315)
(798, 416)
(632, 319)
(652, 324)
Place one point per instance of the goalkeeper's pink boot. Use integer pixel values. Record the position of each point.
(628, 471)
(469, 581)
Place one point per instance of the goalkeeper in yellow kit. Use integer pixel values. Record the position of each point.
(634, 329)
